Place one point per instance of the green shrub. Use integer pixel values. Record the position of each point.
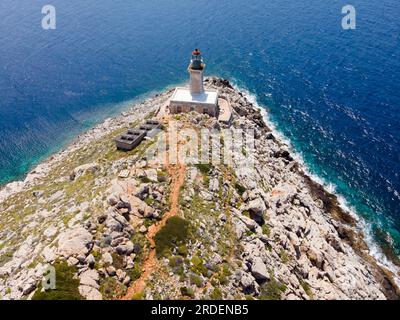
(204, 168)
(66, 285)
(216, 294)
(145, 180)
(307, 289)
(239, 188)
(118, 261)
(188, 292)
(198, 266)
(138, 296)
(195, 279)
(111, 288)
(266, 230)
(149, 201)
(272, 290)
(172, 235)
(285, 258)
(175, 261)
(182, 250)
(161, 176)
(135, 272)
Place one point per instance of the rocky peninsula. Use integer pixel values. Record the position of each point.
(117, 225)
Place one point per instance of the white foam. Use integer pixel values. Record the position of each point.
(374, 248)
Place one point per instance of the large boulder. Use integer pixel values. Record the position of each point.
(90, 278)
(257, 207)
(259, 269)
(90, 293)
(81, 170)
(74, 242)
(89, 285)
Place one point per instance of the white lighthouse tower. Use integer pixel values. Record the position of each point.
(195, 98)
(196, 70)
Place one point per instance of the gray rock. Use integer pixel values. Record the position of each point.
(222, 217)
(83, 169)
(151, 174)
(74, 242)
(107, 258)
(90, 293)
(124, 174)
(90, 278)
(111, 271)
(113, 224)
(257, 206)
(259, 270)
(90, 260)
(112, 200)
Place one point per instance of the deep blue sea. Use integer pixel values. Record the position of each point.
(334, 93)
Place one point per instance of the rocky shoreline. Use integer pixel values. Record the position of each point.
(267, 233)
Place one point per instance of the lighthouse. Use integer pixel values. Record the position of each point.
(195, 97)
(196, 71)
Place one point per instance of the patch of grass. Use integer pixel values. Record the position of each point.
(182, 250)
(307, 289)
(110, 288)
(135, 272)
(204, 168)
(66, 285)
(172, 235)
(285, 258)
(206, 181)
(175, 261)
(272, 290)
(5, 258)
(188, 292)
(145, 180)
(216, 294)
(198, 266)
(118, 261)
(266, 230)
(161, 176)
(138, 296)
(149, 201)
(239, 188)
(195, 279)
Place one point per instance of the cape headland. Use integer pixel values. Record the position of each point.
(121, 225)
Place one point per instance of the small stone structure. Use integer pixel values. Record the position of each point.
(133, 137)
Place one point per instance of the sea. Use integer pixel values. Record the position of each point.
(333, 93)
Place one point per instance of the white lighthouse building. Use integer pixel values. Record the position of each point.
(195, 98)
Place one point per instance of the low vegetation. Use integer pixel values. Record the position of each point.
(272, 290)
(66, 285)
(171, 236)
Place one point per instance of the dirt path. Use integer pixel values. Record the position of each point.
(177, 173)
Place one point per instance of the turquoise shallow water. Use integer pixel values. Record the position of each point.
(334, 94)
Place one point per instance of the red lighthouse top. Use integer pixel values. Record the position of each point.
(196, 52)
